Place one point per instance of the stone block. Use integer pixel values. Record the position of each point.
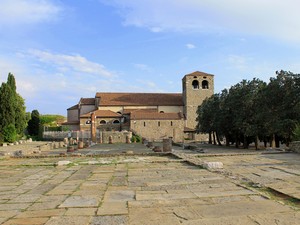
(80, 145)
(157, 149)
(167, 145)
(63, 163)
(18, 153)
(213, 165)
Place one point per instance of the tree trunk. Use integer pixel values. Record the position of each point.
(237, 142)
(245, 144)
(265, 143)
(277, 144)
(273, 143)
(227, 141)
(214, 137)
(218, 139)
(209, 138)
(256, 143)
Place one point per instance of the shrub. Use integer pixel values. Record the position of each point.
(136, 138)
(9, 133)
(133, 139)
(296, 133)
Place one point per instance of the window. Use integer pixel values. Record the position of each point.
(102, 122)
(144, 124)
(195, 84)
(88, 122)
(161, 112)
(116, 122)
(159, 124)
(205, 84)
(171, 123)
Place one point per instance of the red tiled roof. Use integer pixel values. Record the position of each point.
(87, 101)
(128, 111)
(73, 107)
(102, 113)
(155, 116)
(140, 99)
(198, 73)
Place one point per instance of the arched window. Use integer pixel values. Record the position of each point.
(102, 122)
(161, 112)
(195, 84)
(205, 84)
(159, 124)
(116, 122)
(144, 124)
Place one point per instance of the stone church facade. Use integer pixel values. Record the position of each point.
(153, 116)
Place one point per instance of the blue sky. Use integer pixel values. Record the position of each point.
(61, 50)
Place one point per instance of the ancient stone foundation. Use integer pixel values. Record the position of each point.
(295, 146)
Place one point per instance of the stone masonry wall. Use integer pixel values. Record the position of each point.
(159, 129)
(295, 146)
(117, 137)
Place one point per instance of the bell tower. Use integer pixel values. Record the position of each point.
(196, 87)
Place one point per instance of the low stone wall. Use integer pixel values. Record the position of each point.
(295, 146)
(116, 136)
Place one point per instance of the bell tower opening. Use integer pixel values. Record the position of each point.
(205, 84)
(195, 84)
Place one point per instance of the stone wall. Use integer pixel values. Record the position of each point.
(295, 146)
(116, 136)
(101, 136)
(159, 129)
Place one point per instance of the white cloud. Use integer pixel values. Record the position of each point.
(142, 67)
(15, 12)
(273, 18)
(190, 46)
(67, 63)
(146, 86)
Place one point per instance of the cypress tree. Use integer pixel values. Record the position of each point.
(34, 123)
(12, 111)
(7, 109)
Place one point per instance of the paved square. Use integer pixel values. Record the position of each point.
(142, 190)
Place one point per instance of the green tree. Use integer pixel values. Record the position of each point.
(7, 109)
(21, 120)
(12, 108)
(34, 123)
(9, 133)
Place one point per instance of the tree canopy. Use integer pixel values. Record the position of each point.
(34, 123)
(252, 110)
(12, 111)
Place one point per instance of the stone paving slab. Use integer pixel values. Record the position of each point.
(80, 201)
(41, 213)
(69, 220)
(27, 221)
(158, 190)
(113, 208)
(111, 220)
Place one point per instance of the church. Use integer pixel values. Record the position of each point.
(153, 116)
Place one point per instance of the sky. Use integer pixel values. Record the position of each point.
(62, 50)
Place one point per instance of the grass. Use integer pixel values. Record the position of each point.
(275, 195)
